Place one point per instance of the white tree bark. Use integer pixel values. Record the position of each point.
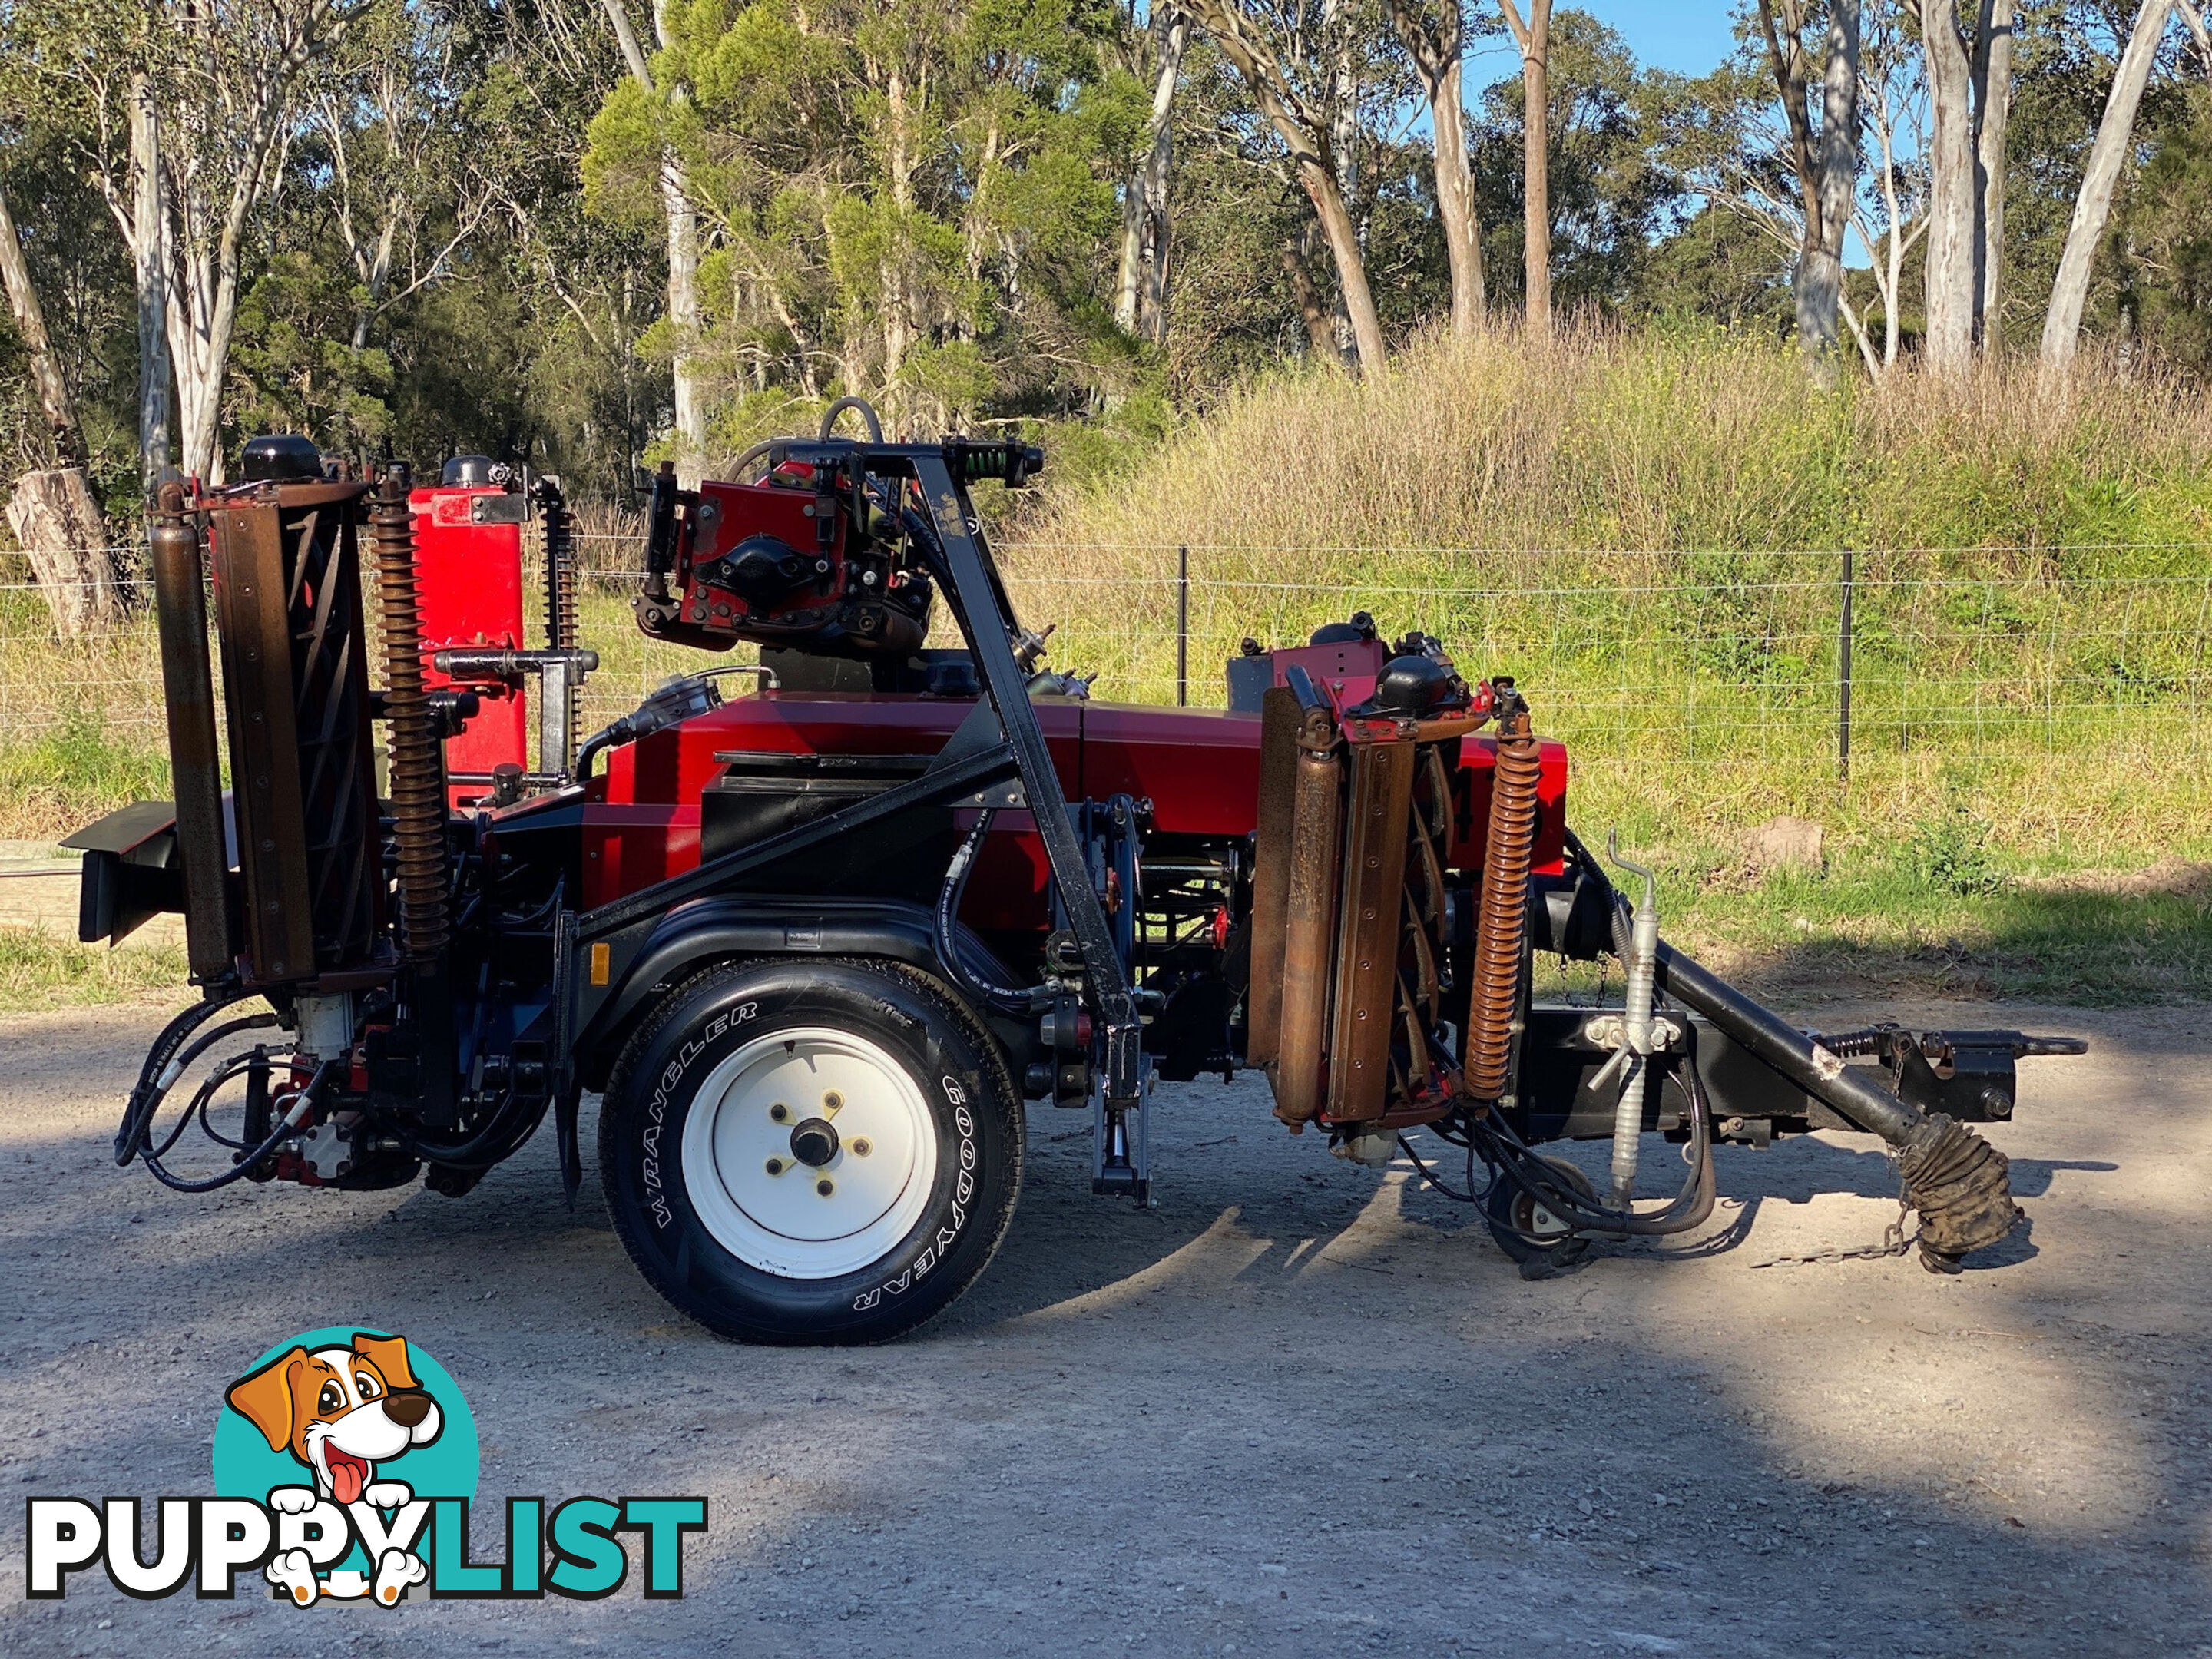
(2193, 17)
(1951, 195)
(60, 526)
(680, 220)
(1992, 116)
(1436, 49)
(54, 399)
(1140, 284)
(1534, 37)
(1820, 282)
(2070, 292)
(1313, 153)
(186, 192)
(145, 225)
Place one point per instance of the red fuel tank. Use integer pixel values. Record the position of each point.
(468, 559)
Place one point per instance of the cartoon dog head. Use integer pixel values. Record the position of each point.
(340, 1411)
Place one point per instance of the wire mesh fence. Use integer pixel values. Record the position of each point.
(2062, 679)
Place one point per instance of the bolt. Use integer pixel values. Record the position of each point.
(825, 1186)
(860, 1149)
(832, 1102)
(779, 1112)
(775, 1166)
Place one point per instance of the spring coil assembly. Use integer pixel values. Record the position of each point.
(1501, 923)
(559, 527)
(417, 785)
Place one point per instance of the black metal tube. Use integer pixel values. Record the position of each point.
(1183, 627)
(1843, 631)
(195, 765)
(1815, 1069)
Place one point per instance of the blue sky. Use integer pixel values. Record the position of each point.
(1689, 35)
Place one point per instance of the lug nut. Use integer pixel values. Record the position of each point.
(832, 1102)
(779, 1112)
(825, 1186)
(860, 1149)
(775, 1166)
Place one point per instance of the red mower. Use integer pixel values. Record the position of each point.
(818, 944)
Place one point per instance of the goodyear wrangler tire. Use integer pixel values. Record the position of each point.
(821, 1151)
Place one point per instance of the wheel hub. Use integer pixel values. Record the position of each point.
(814, 1142)
(783, 1187)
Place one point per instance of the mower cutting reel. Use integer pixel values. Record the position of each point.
(818, 944)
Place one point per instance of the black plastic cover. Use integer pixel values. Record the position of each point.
(280, 458)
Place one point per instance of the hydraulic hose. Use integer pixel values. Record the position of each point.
(947, 927)
(163, 1068)
(867, 411)
(288, 1124)
(1960, 1184)
(1689, 1208)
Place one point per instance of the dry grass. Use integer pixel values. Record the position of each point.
(1612, 440)
(1645, 530)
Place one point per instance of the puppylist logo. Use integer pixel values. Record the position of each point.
(345, 1464)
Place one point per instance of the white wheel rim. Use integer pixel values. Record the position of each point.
(879, 1178)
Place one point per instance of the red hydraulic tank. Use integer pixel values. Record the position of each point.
(468, 556)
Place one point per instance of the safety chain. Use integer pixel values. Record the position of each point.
(1893, 1240)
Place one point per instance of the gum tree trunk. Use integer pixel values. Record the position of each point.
(1993, 116)
(2061, 324)
(59, 524)
(1950, 276)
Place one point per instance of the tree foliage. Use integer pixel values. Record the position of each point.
(461, 240)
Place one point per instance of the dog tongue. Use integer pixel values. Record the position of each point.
(345, 1480)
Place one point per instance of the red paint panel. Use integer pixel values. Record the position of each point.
(469, 578)
(627, 847)
(1477, 761)
(1199, 767)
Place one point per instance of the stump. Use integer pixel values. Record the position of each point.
(61, 527)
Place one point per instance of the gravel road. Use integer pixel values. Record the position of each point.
(1302, 1408)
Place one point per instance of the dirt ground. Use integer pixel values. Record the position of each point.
(1302, 1408)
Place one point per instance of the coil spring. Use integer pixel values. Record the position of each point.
(560, 629)
(1501, 923)
(417, 784)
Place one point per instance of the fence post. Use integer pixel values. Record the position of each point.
(1183, 627)
(1843, 679)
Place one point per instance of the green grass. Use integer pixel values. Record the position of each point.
(1872, 924)
(39, 970)
(58, 780)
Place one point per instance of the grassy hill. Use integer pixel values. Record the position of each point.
(1648, 531)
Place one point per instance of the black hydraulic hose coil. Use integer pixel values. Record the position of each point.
(417, 781)
(1502, 921)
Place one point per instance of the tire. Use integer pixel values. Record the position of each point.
(1525, 1230)
(900, 1143)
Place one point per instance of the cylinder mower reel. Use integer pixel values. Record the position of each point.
(821, 927)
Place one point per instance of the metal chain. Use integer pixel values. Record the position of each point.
(1893, 1240)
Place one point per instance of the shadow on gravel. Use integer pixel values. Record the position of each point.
(1300, 1408)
